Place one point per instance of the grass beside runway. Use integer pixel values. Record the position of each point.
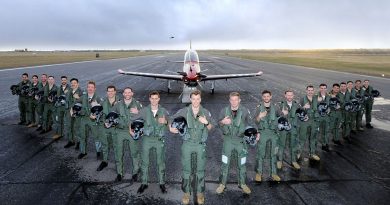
(374, 62)
(32, 58)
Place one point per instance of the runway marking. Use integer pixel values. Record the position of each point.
(215, 57)
(381, 101)
(159, 56)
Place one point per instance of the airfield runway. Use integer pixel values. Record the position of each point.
(34, 169)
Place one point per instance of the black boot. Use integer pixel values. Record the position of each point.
(69, 144)
(369, 126)
(337, 142)
(39, 128)
(98, 154)
(118, 178)
(163, 188)
(102, 166)
(82, 155)
(77, 146)
(21, 123)
(142, 188)
(135, 177)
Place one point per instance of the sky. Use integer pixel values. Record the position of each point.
(219, 24)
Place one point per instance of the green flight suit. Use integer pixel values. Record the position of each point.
(153, 138)
(41, 103)
(23, 102)
(357, 120)
(368, 103)
(108, 134)
(307, 131)
(49, 110)
(122, 136)
(233, 141)
(323, 122)
(291, 135)
(268, 143)
(349, 115)
(194, 142)
(72, 123)
(336, 117)
(61, 110)
(33, 106)
(89, 126)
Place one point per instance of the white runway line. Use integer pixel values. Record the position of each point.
(381, 101)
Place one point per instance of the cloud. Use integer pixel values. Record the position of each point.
(123, 24)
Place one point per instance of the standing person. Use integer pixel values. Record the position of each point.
(127, 109)
(367, 89)
(349, 115)
(287, 109)
(62, 91)
(233, 120)
(49, 111)
(24, 87)
(71, 122)
(307, 130)
(32, 102)
(155, 126)
(336, 114)
(359, 113)
(107, 135)
(324, 116)
(266, 120)
(88, 122)
(343, 94)
(199, 122)
(41, 104)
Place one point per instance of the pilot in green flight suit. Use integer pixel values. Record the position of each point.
(233, 121)
(324, 119)
(199, 122)
(23, 99)
(359, 113)
(49, 110)
(155, 126)
(336, 114)
(367, 89)
(33, 103)
(63, 89)
(349, 116)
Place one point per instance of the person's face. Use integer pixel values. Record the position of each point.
(343, 87)
(195, 100)
(43, 78)
(154, 100)
(64, 81)
(310, 91)
(336, 89)
(91, 88)
(289, 96)
(74, 84)
(50, 80)
(24, 78)
(234, 101)
(358, 84)
(323, 89)
(366, 83)
(350, 85)
(128, 94)
(111, 92)
(35, 80)
(266, 97)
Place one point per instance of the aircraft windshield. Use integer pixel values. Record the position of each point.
(191, 56)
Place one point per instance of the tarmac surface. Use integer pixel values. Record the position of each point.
(37, 170)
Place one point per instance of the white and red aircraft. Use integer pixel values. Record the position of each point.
(191, 75)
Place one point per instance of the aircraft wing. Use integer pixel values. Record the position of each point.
(152, 75)
(227, 76)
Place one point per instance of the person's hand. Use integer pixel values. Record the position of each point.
(92, 116)
(134, 110)
(162, 120)
(131, 131)
(106, 125)
(226, 120)
(257, 136)
(306, 106)
(173, 130)
(262, 114)
(76, 96)
(203, 120)
(284, 111)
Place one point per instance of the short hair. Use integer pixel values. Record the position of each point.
(349, 81)
(111, 87)
(74, 79)
(154, 93)
(50, 76)
(129, 88)
(44, 74)
(288, 91)
(35, 76)
(265, 92)
(64, 77)
(323, 84)
(91, 82)
(232, 94)
(336, 84)
(195, 92)
(366, 80)
(26, 74)
(309, 86)
(343, 83)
